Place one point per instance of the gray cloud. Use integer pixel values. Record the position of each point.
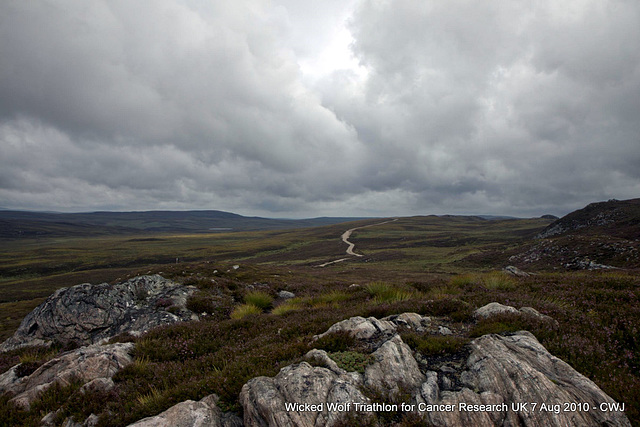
(511, 106)
(497, 107)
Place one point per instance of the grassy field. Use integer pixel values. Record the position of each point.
(421, 264)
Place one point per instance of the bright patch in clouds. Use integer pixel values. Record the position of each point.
(336, 55)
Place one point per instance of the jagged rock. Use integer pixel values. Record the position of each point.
(361, 328)
(587, 264)
(509, 370)
(267, 401)
(286, 295)
(321, 358)
(264, 399)
(532, 312)
(203, 413)
(365, 329)
(443, 330)
(86, 363)
(48, 420)
(91, 421)
(99, 384)
(409, 320)
(495, 308)
(515, 271)
(86, 314)
(395, 369)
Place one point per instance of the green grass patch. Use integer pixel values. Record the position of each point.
(293, 304)
(245, 310)
(383, 292)
(352, 361)
(259, 299)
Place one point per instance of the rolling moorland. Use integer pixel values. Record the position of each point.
(585, 276)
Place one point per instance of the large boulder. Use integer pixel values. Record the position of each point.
(496, 309)
(394, 369)
(301, 395)
(86, 314)
(493, 309)
(507, 372)
(361, 328)
(94, 364)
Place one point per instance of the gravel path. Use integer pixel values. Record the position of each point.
(345, 238)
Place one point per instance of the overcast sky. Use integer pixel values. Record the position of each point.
(299, 108)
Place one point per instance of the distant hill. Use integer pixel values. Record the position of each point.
(620, 218)
(21, 224)
(599, 236)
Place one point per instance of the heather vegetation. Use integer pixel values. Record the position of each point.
(427, 265)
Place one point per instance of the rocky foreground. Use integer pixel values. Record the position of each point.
(497, 380)
(88, 314)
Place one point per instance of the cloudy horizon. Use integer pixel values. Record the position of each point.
(285, 108)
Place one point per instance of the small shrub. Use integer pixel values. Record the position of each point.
(27, 368)
(164, 303)
(140, 293)
(245, 310)
(151, 400)
(456, 309)
(335, 342)
(259, 299)
(201, 303)
(504, 323)
(377, 395)
(56, 395)
(434, 344)
(352, 360)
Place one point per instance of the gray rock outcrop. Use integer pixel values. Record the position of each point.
(94, 364)
(362, 328)
(496, 373)
(286, 295)
(515, 271)
(272, 401)
(507, 371)
(203, 413)
(86, 314)
(394, 368)
(495, 309)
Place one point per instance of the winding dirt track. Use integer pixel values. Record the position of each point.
(345, 238)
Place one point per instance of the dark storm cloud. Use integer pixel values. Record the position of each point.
(494, 107)
(502, 106)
